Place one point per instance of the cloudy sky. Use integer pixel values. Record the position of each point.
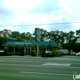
(29, 12)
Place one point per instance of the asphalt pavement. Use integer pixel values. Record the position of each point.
(38, 68)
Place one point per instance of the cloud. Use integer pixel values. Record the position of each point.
(5, 14)
(62, 27)
(64, 8)
(46, 7)
(20, 6)
(28, 12)
(9, 10)
(30, 19)
(1, 23)
(74, 6)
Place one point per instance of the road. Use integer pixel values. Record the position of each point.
(32, 68)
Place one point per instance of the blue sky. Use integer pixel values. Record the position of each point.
(27, 12)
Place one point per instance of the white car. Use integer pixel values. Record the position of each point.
(73, 53)
(78, 54)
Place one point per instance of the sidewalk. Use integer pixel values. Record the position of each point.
(39, 57)
(27, 56)
(71, 56)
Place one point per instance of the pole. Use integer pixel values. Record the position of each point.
(25, 50)
(37, 49)
(37, 38)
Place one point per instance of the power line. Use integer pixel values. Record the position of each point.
(40, 24)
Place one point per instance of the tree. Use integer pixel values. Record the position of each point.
(71, 39)
(62, 38)
(16, 35)
(23, 35)
(29, 36)
(56, 36)
(78, 33)
(52, 36)
(2, 41)
(44, 35)
(5, 33)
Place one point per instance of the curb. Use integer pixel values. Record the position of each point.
(20, 57)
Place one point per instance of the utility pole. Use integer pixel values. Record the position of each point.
(37, 49)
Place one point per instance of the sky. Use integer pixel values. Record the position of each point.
(29, 12)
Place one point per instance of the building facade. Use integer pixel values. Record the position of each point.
(28, 48)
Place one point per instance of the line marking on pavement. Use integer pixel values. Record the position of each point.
(57, 64)
(40, 73)
(25, 65)
(18, 61)
(61, 58)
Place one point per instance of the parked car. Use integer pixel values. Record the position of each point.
(49, 54)
(63, 52)
(78, 54)
(73, 53)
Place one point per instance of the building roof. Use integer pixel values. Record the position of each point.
(10, 43)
